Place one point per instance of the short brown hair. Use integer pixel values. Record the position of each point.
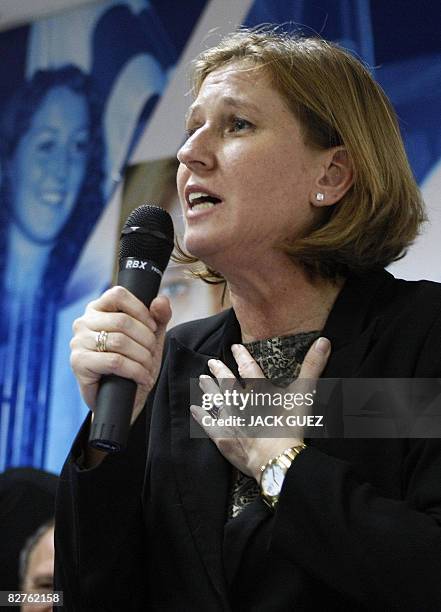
(337, 103)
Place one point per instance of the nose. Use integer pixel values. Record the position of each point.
(58, 165)
(197, 152)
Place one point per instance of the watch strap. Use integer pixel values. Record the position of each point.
(285, 460)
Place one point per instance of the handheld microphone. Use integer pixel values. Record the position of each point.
(145, 248)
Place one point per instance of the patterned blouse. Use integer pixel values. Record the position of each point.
(280, 359)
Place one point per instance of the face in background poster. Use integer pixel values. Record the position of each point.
(155, 183)
(77, 92)
(51, 159)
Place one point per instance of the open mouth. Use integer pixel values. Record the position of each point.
(53, 198)
(200, 200)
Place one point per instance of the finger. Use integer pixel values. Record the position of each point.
(214, 399)
(219, 369)
(114, 323)
(90, 366)
(115, 343)
(208, 424)
(226, 380)
(161, 311)
(208, 385)
(247, 366)
(316, 359)
(120, 299)
(226, 438)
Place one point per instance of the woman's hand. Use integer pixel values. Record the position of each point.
(249, 454)
(133, 347)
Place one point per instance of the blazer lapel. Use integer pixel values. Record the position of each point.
(347, 327)
(203, 475)
(351, 328)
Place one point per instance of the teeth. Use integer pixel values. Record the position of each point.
(197, 194)
(203, 205)
(52, 198)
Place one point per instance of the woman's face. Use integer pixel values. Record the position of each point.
(48, 165)
(246, 148)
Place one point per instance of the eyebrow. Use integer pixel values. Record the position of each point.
(230, 101)
(54, 130)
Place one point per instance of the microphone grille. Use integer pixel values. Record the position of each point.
(148, 234)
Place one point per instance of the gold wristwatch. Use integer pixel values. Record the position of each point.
(274, 472)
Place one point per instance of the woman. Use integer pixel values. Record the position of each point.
(51, 159)
(296, 190)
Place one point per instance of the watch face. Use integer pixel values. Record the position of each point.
(272, 479)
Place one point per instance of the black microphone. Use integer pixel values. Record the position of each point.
(145, 249)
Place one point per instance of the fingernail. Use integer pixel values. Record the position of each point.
(322, 345)
(236, 349)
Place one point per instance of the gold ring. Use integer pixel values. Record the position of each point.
(101, 341)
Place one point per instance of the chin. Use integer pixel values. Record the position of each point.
(199, 246)
(215, 249)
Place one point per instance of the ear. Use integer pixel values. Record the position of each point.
(335, 178)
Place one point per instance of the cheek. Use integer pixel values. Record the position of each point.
(181, 178)
(32, 167)
(258, 185)
(76, 174)
(25, 186)
(281, 183)
(33, 177)
(22, 172)
(259, 173)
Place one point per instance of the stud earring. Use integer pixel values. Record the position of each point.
(320, 196)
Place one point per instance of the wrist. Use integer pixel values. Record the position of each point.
(274, 471)
(276, 448)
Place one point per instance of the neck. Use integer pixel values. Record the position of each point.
(268, 304)
(25, 264)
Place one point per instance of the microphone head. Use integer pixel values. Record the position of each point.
(148, 234)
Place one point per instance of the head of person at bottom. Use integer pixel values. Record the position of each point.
(293, 156)
(37, 567)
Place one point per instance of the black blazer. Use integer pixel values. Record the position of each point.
(358, 524)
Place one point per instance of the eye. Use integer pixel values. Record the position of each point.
(189, 131)
(233, 125)
(79, 144)
(175, 289)
(238, 124)
(46, 145)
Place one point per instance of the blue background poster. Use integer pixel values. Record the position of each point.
(79, 92)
